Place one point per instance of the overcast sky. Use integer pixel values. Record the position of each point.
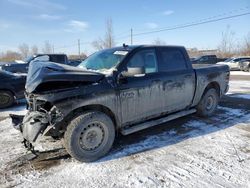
(62, 22)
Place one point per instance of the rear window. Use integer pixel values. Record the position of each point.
(171, 60)
(57, 58)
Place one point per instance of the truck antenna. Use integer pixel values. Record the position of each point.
(125, 45)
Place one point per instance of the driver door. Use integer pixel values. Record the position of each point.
(138, 93)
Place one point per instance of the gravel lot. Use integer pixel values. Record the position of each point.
(188, 152)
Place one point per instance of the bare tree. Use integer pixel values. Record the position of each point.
(76, 57)
(246, 46)
(34, 49)
(159, 41)
(10, 56)
(108, 41)
(24, 49)
(48, 49)
(109, 37)
(99, 44)
(227, 46)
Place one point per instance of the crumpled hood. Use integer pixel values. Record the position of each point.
(45, 72)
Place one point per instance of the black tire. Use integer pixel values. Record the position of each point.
(6, 99)
(208, 103)
(89, 136)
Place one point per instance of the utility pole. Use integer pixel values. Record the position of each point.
(131, 36)
(79, 48)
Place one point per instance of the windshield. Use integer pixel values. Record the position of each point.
(229, 59)
(196, 58)
(103, 60)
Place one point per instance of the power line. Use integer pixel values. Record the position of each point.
(180, 26)
(192, 24)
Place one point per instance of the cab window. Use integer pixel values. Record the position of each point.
(171, 60)
(146, 59)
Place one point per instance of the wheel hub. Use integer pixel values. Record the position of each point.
(4, 99)
(210, 103)
(92, 136)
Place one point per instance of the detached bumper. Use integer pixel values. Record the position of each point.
(30, 125)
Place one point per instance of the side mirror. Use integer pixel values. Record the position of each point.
(132, 71)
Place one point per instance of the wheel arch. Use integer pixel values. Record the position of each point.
(93, 107)
(214, 85)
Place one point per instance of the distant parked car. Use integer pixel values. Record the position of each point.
(205, 59)
(11, 88)
(233, 62)
(244, 65)
(21, 66)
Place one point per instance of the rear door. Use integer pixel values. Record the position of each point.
(178, 79)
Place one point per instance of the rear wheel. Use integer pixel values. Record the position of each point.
(89, 136)
(6, 99)
(208, 103)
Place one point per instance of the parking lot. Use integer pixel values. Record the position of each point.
(188, 152)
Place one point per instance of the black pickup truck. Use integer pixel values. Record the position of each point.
(21, 66)
(118, 90)
(11, 88)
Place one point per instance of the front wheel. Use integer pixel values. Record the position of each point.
(208, 103)
(6, 99)
(89, 136)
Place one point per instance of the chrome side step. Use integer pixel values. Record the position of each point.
(159, 121)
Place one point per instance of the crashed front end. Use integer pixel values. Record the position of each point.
(47, 83)
(40, 119)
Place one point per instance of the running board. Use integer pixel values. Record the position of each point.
(159, 121)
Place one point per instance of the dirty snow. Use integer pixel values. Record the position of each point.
(189, 152)
(239, 89)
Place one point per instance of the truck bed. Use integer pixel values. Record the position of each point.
(207, 73)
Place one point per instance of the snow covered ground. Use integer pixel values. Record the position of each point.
(188, 152)
(239, 73)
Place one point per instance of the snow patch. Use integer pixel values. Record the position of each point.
(239, 73)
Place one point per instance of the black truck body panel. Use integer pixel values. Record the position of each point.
(138, 99)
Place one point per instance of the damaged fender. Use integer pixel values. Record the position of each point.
(34, 123)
